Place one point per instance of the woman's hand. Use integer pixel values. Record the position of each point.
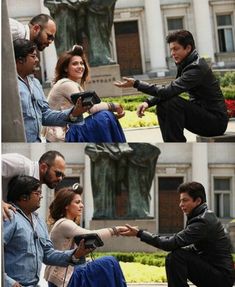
(131, 231)
(119, 110)
(127, 83)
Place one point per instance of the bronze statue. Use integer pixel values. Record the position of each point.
(121, 179)
(80, 19)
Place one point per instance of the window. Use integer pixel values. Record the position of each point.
(174, 24)
(225, 33)
(222, 190)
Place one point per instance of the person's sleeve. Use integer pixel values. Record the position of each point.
(14, 164)
(8, 281)
(191, 234)
(190, 79)
(8, 226)
(52, 117)
(52, 256)
(71, 229)
(67, 89)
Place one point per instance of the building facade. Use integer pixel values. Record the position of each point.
(141, 26)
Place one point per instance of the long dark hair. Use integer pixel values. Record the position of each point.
(61, 70)
(62, 199)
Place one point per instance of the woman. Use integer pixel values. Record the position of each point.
(64, 210)
(102, 125)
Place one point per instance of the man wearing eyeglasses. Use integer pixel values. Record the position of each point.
(26, 241)
(49, 170)
(40, 30)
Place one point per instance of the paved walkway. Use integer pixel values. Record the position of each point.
(153, 134)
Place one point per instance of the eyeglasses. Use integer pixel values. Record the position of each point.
(34, 56)
(38, 192)
(59, 173)
(50, 37)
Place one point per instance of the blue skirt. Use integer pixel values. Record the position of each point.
(102, 272)
(101, 127)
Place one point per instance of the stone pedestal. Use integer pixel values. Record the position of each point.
(121, 243)
(102, 78)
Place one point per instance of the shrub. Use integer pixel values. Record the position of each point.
(229, 92)
(153, 259)
(228, 79)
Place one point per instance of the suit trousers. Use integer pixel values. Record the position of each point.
(177, 113)
(183, 264)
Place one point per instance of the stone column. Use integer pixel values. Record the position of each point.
(49, 56)
(156, 36)
(200, 165)
(12, 118)
(87, 190)
(203, 40)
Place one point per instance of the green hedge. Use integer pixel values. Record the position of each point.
(154, 259)
(131, 102)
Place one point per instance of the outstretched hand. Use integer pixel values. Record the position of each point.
(131, 231)
(126, 83)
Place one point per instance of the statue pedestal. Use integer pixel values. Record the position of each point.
(102, 78)
(121, 243)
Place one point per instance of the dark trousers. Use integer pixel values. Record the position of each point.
(182, 265)
(177, 113)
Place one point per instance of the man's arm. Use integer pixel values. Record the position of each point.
(191, 234)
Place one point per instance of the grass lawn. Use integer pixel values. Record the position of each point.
(131, 120)
(140, 273)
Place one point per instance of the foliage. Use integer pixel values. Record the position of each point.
(131, 120)
(131, 102)
(154, 259)
(227, 80)
(135, 271)
(139, 273)
(230, 107)
(229, 92)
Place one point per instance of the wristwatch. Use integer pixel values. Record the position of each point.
(72, 118)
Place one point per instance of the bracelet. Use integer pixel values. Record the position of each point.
(111, 107)
(115, 231)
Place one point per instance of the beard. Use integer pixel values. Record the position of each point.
(38, 43)
(48, 181)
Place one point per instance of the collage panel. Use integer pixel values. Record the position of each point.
(118, 143)
(136, 184)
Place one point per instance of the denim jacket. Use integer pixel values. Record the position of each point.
(36, 110)
(26, 246)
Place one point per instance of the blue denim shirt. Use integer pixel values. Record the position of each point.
(36, 110)
(26, 247)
